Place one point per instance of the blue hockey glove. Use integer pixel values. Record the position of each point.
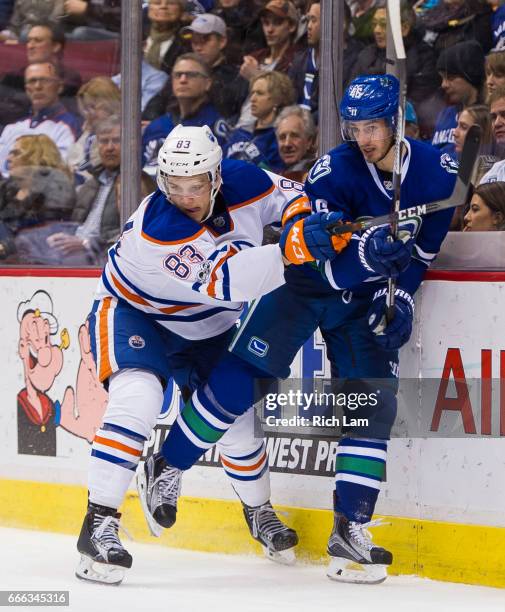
(307, 239)
(396, 333)
(380, 253)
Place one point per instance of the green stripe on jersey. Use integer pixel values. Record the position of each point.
(361, 465)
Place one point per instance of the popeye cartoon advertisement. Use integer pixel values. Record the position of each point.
(41, 349)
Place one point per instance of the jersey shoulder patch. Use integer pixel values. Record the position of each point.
(163, 223)
(448, 163)
(243, 182)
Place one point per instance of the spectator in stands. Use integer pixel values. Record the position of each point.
(97, 99)
(498, 24)
(462, 70)
(497, 112)
(95, 211)
(45, 43)
(48, 115)
(270, 92)
(164, 44)
(495, 70)
(6, 7)
(296, 139)
(454, 21)
(191, 83)
(487, 208)
(352, 48)
(244, 28)
(152, 83)
(95, 19)
(411, 123)
(28, 13)
(279, 20)
(304, 71)
(362, 12)
(422, 77)
(38, 190)
(475, 114)
(207, 34)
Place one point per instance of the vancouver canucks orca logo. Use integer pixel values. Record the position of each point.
(321, 168)
(448, 163)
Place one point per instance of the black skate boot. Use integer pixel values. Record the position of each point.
(277, 540)
(350, 545)
(159, 487)
(103, 557)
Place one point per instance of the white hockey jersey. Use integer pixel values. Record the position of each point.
(193, 278)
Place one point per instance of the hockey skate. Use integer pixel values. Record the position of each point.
(159, 487)
(276, 539)
(354, 558)
(103, 557)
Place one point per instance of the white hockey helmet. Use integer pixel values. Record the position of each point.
(188, 151)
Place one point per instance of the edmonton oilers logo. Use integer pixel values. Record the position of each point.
(136, 342)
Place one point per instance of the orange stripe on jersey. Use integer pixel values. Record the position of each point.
(133, 297)
(252, 200)
(172, 309)
(243, 468)
(118, 445)
(213, 278)
(181, 241)
(105, 367)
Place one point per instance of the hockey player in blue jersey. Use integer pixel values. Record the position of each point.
(346, 299)
(166, 306)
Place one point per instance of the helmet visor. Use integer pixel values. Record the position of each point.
(367, 131)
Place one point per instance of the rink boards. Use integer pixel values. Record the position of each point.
(443, 496)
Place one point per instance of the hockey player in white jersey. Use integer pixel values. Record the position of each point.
(171, 292)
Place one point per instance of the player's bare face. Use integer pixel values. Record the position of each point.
(191, 195)
(372, 137)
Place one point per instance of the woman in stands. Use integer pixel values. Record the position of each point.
(97, 100)
(270, 92)
(487, 208)
(39, 189)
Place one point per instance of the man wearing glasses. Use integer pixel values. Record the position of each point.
(191, 83)
(48, 115)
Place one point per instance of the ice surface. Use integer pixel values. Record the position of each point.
(172, 580)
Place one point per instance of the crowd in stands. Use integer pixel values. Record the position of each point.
(247, 68)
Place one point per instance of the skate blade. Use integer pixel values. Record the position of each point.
(344, 570)
(283, 557)
(102, 573)
(155, 529)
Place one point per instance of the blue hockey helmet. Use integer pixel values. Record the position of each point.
(369, 97)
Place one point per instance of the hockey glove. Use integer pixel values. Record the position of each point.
(307, 239)
(380, 253)
(396, 333)
(297, 209)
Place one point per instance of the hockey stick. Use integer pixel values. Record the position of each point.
(457, 197)
(396, 61)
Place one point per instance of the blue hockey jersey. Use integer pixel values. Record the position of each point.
(443, 137)
(259, 147)
(343, 181)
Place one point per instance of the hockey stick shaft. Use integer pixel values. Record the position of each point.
(396, 64)
(457, 198)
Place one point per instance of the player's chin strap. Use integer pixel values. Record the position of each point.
(216, 185)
